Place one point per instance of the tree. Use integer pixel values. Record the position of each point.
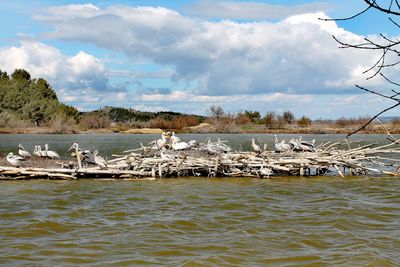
(216, 112)
(389, 49)
(304, 121)
(254, 116)
(270, 119)
(21, 74)
(288, 117)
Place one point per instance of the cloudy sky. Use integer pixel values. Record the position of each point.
(185, 56)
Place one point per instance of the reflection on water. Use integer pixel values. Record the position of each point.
(184, 222)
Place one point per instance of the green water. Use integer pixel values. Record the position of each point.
(324, 221)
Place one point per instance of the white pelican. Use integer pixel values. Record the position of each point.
(23, 153)
(294, 144)
(306, 145)
(255, 147)
(282, 146)
(174, 138)
(40, 152)
(278, 145)
(86, 155)
(192, 143)
(180, 145)
(49, 153)
(99, 160)
(166, 157)
(14, 160)
(159, 143)
(36, 151)
(285, 147)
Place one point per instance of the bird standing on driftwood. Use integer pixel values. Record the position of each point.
(23, 153)
(49, 153)
(101, 162)
(255, 147)
(14, 160)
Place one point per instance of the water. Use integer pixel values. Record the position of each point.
(196, 221)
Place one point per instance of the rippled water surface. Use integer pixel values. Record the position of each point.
(197, 221)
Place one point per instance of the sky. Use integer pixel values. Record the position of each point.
(186, 56)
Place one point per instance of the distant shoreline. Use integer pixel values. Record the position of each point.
(209, 130)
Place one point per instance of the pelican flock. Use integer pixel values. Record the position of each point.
(168, 141)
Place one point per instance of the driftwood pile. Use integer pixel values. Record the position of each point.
(217, 159)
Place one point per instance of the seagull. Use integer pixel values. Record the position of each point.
(14, 160)
(23, 153)
(255, 147)
(99, 160)
(49, 153)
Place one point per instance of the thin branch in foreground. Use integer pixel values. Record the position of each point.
(373, 118)
(390, 81)
(348, 18)
(373, 4)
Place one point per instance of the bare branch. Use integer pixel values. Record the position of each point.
(373, 118)
(373, 4)
(389, 81)
(348, 18)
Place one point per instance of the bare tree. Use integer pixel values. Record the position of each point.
(216, 112)
(389, 49)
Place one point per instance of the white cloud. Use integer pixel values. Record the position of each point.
(296, 55)
(65, 73)
(251, 10)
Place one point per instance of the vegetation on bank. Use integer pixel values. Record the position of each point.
(31, 105)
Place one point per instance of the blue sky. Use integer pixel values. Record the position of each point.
(185, 56)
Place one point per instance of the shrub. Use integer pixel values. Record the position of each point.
(270, 119)
(94, 121)
(242, 119)
(288, 117)
(62, 123)
(304, 121)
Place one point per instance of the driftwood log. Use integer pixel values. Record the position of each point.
(216, 159)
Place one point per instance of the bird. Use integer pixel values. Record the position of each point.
(285, 146)
(99, 160)
(278, 145)
(294, 144)
(174, 138)
(49, 153)
(180, 145)
(166, 157)
(85, 155)
(23, 153)
(159, 143)
(14, 160)
(306, 145)
(255, 147)
(281, 146)
(41, 153)
(192, 143)
(36, 151)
